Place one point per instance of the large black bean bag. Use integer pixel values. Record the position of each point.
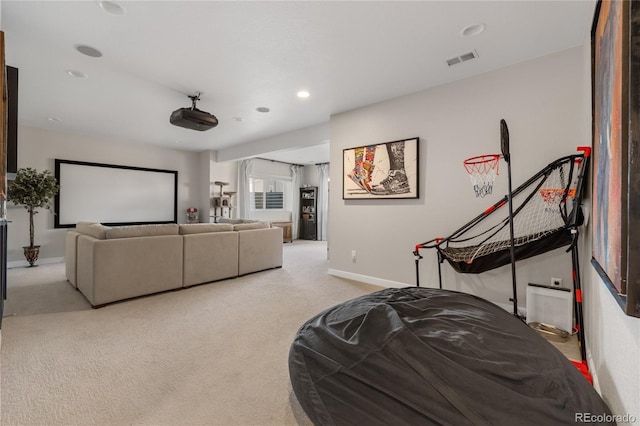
(417, 356)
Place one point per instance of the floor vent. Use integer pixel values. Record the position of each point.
(462, 58)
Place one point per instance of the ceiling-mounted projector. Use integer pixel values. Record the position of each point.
(193, 118)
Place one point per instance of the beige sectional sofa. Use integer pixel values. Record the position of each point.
(108, 264)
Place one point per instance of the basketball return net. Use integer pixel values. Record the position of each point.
(542, 206)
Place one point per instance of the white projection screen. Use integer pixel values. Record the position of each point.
(114, 195)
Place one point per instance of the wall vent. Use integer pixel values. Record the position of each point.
(462, 58)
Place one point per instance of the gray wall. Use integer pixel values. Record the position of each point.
(310, 175)
(38, 148)
(216, 171)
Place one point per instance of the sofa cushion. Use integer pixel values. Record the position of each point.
(199, 228)
(83, 227)
(97, 230)
(209, 256)
(231, 221)
(142, 231)
(248, 226)
(235, 221)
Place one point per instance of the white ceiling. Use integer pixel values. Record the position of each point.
(242, 55)
(315, 154)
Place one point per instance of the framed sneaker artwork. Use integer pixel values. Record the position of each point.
(385, 170)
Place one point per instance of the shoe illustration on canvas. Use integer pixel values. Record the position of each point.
(395, 183)
(363, 169)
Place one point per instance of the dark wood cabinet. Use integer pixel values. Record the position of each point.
(308, 229)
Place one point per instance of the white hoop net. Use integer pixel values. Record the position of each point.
(552, 197)
(482, 170)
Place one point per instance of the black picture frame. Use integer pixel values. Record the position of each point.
(615, 77)
(386, 170)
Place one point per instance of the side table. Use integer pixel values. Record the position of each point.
(287, 234)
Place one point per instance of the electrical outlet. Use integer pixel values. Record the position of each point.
(353, 256)
(556, 282)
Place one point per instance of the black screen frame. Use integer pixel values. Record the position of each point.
(59, 162)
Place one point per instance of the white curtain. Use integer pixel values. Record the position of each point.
(244, 195)
(323, 201)
(295, 206)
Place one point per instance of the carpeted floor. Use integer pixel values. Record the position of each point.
(214, 354)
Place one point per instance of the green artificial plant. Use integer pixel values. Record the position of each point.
(32, 190)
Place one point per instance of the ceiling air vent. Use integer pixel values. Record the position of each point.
(462, 58)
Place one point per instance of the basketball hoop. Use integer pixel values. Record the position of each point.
(552, 196)
(482, 170)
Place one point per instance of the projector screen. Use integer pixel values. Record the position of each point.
(114, 195)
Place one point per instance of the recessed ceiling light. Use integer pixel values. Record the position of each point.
(88, 50)
(238, 119)
(78, 74)
(472, 30)
(112, 7)
(263, 109)
(303, 94)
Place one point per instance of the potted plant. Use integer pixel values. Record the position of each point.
(32, 190)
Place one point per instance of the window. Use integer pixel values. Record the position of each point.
(267, 194)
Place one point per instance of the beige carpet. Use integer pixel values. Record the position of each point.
(215, 354)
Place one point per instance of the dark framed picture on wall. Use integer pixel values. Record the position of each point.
(384, 170)
(616, 174)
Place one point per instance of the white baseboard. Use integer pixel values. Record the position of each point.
(43, 261)
(388, 283)
(367, 279)
(593, 371)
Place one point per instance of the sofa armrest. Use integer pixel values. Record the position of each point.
(259, 249)
(70, 256)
